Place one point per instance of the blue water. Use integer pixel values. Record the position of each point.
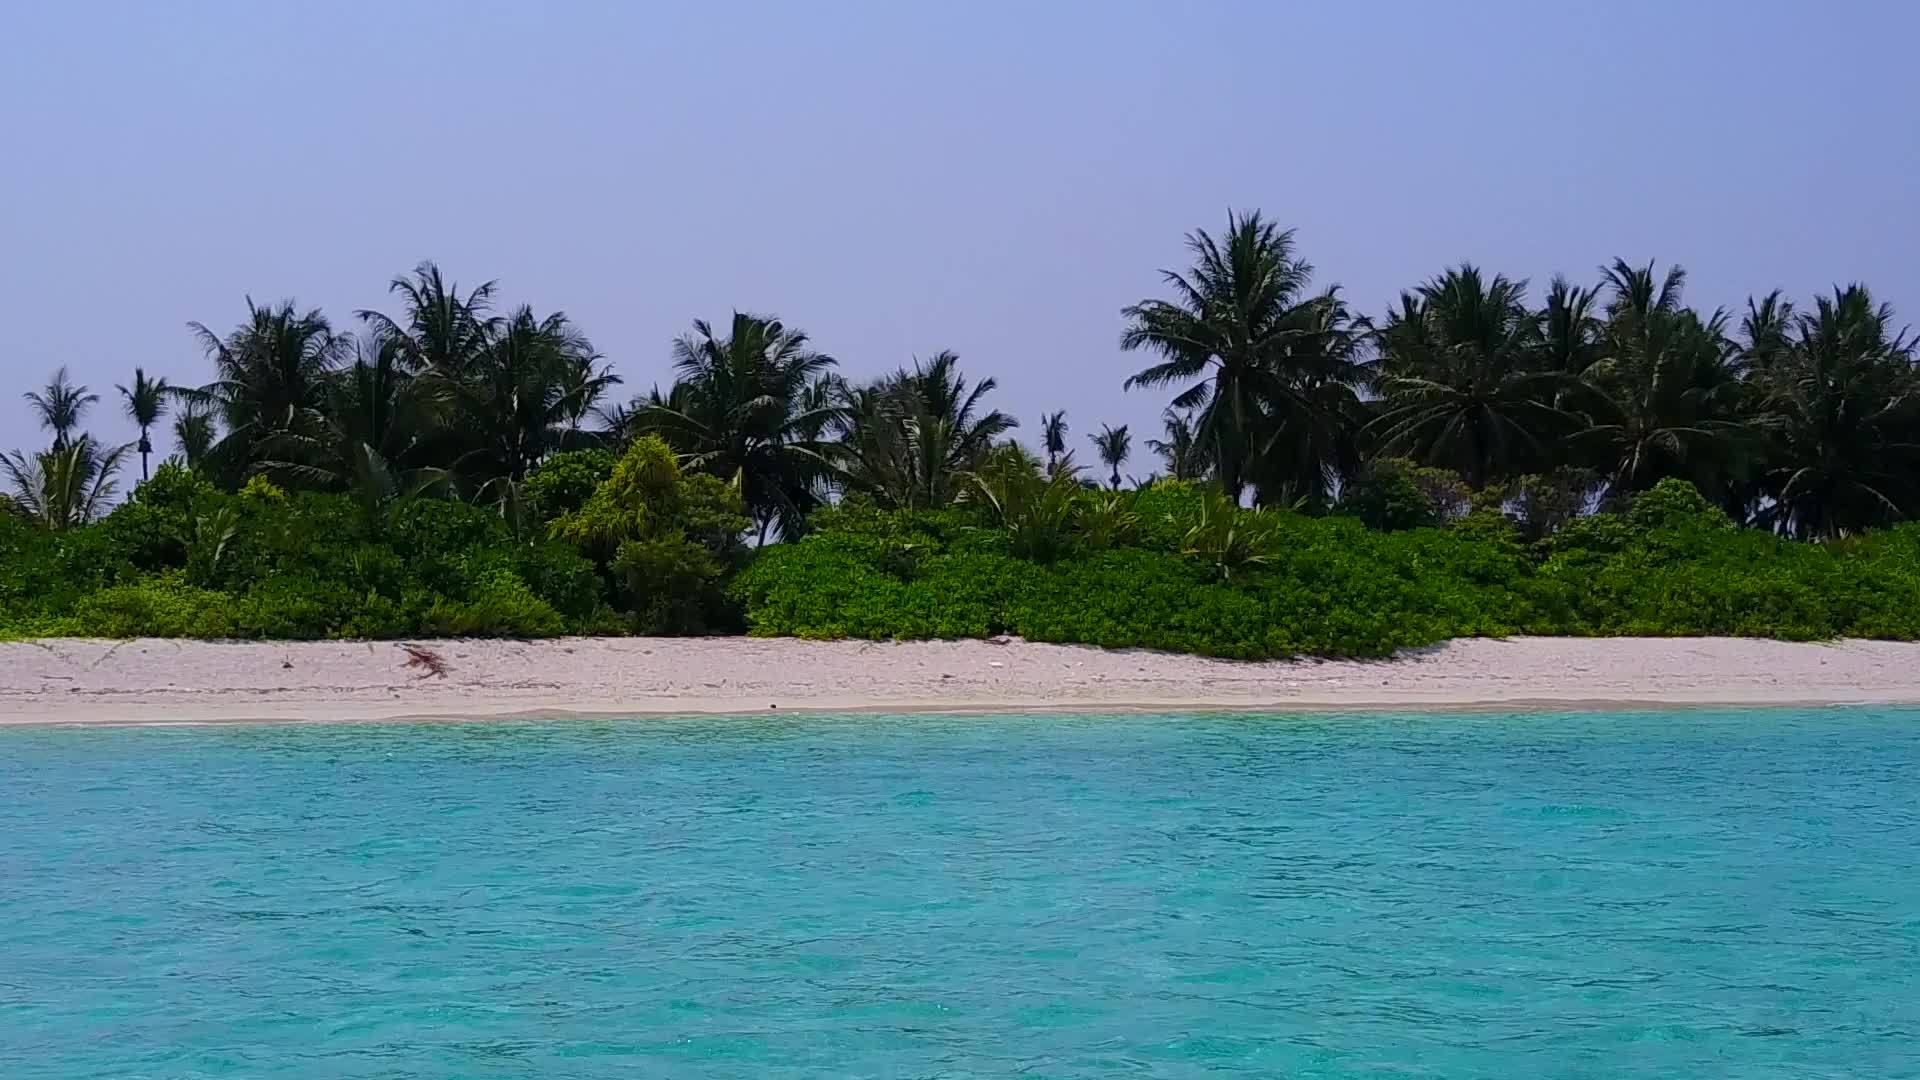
(1729, 894)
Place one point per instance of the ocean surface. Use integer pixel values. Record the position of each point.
(1689, 894)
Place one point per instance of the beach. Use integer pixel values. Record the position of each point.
(150, 681)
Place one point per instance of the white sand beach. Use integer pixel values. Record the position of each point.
(156, 681)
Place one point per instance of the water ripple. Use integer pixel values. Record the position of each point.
(1734, 894)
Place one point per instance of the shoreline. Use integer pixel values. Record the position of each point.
(66, 682)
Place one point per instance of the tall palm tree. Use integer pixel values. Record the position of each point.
(752, 408)
(910, 439)
(1053, 436)
(1842, 402)
(444, 335)
(67, 486)
(438, 329)
(271, 375)
(1181, 452)
(1308, 440)
(59, 405)
(521, 394)
(146, 401)
(1569, 339)
(1767, 331)
(194, 431)
(1256, 353)
(1461, 383)
(1113, 444)
(368, 435)
(1668, 391)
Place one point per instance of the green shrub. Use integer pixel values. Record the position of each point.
(558, 575)
(260, 489)
(500, 605)
(434, 528)
(148, 536)
(1251, 584)
(173, 486)
(1229, 540)
(671, 585)
(564, 482)
(292, 607)
(666, 541)
(1317, 586)
(1174, 566)
(1393, 493)
(1167, 510)
(1675, 504)
(164, 606)
(1106, 519)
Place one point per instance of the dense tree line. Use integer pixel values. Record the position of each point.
(1806, 421)
(1803, 420)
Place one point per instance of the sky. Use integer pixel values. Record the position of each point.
(998, 179)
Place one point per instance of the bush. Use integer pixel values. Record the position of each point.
(182, 559)
(558, 575)
(294, 607)
(500, 605)
(1675, 504)
(1392, 494)
(1301, 585)
(149, 536)
(665, 541)
(173, 486)
(435, 528)
(1204, 576)
(563, 483)
(164, 606)
(1173, 566)
(260, 489)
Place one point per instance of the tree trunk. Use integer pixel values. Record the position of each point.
(1229, 469)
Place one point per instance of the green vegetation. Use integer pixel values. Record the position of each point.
(184, 559)
(1194, 573)
(1610, 461)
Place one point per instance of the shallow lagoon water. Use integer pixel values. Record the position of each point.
(1699, 893)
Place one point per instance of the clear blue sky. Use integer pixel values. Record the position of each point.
(898, 178)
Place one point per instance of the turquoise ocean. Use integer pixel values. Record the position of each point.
(1653, 894)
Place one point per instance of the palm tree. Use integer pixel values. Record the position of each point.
(60, 405)
(1768, 330)
(369, 433)
(1307, 441)
(1461, 383)
(751, 408)
(1036, 509)
(1569, 339)
(1667, 392)
(910, 439)
(67, 486)
(1842, 402)
(194, 431)
(271, 375)
(1263, 361)
(146, 400)
(1113, 444)
(521, 394)
(438, 330)
(1180, 452)
(1053, 436)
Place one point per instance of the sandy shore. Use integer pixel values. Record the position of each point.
(151, 681)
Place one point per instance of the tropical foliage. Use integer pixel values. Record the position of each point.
(752, 408)
(1270, 367)
(911, 439)
(1603, 459)
(1198, 573)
